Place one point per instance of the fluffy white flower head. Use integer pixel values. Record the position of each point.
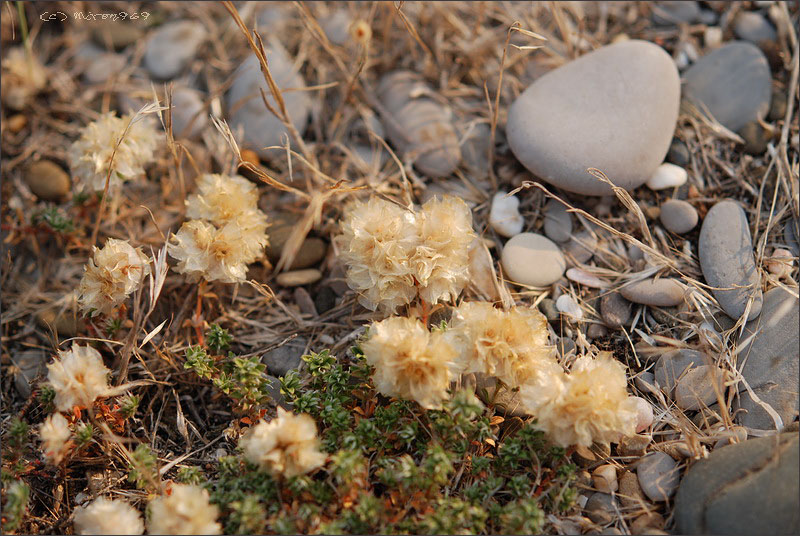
(287, 445)
(55, 433)
(78, 377)
(104, 516)
(411, 362)
(186, 510)
(222, 254)
(90, 155)
(510, 345)
(111, 275)
(221, 199)
(590, 404)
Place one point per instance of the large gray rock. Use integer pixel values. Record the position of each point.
(589, 113)
(733, 83)
(726, 258)
(246, 109)
(170, 49)
(772, 357)
(747, 488)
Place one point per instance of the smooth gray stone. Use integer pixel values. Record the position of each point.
(662, 292)
(285, 358)
(588, 114)
(673, 364)
(615, 310)
(733, 83)
(678, 153)
(188, 109)
(601, 508)
(790, 237)
(103, 67)
(747, 488)
(754, 27)
(696, 389)
(246, 109)
(678, 216)
(557, 221)
(673, 12)
(580, 247)
(659, 476)
(532, 259)
(772, 358)
(475, 149)
(726, 258)
(171, 47)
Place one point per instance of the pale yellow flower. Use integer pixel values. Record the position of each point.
(111, 275)
(287, 445)
(78, 377)
(55, 433)
(221, 199)
(90, 155)
(186, 510)
(104, 516)
(589, 404)
(410, 362)
(510, 345)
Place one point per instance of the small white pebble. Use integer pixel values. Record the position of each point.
(568, 306)
(780, 263)
(585, 278)
(604, 478)
(504, 217)
(713, 36)
(667, 176)
(644, 417)
(582, 500)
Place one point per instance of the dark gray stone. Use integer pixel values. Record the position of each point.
(659, 476)
(772, 357)
(733, 83)
(285, 358)
(753, 27)
(678, 216)
(674, 12)
(557, 222)
(678, 153)
(601, 508)
(615, 310)
(726, 257)
(325, 300)
(747, 488)
(673, 364)
(548, 309)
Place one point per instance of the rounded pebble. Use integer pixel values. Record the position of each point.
(780, 263)
(532, 259)
(615, 310)
(678, 216)
(188, 109)
(47, 180)
(604, 478)
(585, 278)
(726, 257)
(596, 331)
(578, 117)
(629, 492)
(678, 153)
(557, 221)
(755, 138)
(170, 49)
(504, 216)
(299, 277)
(753, 27)
(644, 414)
(663, 292)
(565, 304)
(658, 476)
(601, 508)
(667, 176)
(696, 388)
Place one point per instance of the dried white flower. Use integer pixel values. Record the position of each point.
(510, 345)
(222, 254)
(111, 275)
(442, 257)
(287, 445)
(78, 377)
(55, 433)
(411, 362)
(89, 156)
(589, 404)
(23, 77)
(221, 199)
(378, 239)
(186, 510)
(104, 516)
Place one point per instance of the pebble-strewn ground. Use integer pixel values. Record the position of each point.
(632, 171)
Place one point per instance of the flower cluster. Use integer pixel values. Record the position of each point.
(393, 255)
(186, 510)
(227, 232)
(287, 445)
(111, 275)
(132, 140)
(55, 433)
(411, 362)
(78, 377)
(104, 516)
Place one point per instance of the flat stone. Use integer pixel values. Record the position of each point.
(645, 381)
(171, 47)
(189, 116)
(726, 258)
(587, 114)
(678, 216)
(531, 259)
(615, 310)
(274, 390)
(580, 247)
(671, 12)
(601, 508)
(47, 180)
(673, 364)
(754, 27)
(284, 358)
(662, 292)
(297, 278)
(246, 109)
(696, 388)
(659, 476)
(772, 357)
(748, 488)
(557, 221)
(733, 82)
